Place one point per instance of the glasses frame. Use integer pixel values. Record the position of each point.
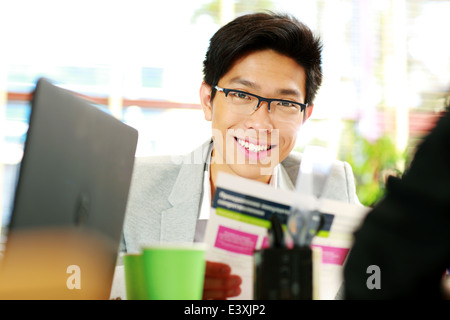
(226, 91)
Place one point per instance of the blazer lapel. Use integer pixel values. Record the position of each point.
(284, 181)
(178, 222)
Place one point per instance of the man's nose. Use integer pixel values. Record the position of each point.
(260, 118)
(262, 103)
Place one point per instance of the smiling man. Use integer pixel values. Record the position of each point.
(252, 134)
(261, 74)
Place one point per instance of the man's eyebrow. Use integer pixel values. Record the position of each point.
(253, 85)
(290, 92)
(245, 82)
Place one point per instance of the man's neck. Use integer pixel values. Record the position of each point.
(214, 170)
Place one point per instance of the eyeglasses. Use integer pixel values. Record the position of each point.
(247, 103)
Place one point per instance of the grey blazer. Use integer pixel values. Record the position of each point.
(166, 193)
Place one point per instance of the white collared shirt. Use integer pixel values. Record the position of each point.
(205, 208)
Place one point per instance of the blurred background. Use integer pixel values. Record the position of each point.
(386, 67)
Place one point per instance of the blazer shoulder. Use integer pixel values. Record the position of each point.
(156, 166)
(340, 184)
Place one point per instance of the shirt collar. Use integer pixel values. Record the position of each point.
(275, 182)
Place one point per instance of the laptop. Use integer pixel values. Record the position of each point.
(66, 226)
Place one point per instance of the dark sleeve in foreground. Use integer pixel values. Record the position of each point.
(407, 235)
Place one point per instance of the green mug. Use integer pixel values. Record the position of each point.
(174, 272)
(134, 277)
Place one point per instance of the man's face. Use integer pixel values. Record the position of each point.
(252, 145)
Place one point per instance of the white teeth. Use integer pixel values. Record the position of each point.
(252, 147)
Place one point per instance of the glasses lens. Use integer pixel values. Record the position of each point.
(285, 107)
(245, 103)
(285, 111)
(242, 103)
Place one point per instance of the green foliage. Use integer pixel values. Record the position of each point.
(372, 162)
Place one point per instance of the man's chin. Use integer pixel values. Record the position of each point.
(253, 171)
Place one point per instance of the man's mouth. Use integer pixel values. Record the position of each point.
(253, 147)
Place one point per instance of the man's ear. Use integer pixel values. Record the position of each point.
(308, 112)
(205, 100)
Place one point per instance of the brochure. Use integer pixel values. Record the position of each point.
(239, 223)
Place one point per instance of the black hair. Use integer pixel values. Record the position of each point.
(259, 31)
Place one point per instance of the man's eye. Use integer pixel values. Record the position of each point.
(240, 95)
(288, 104)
